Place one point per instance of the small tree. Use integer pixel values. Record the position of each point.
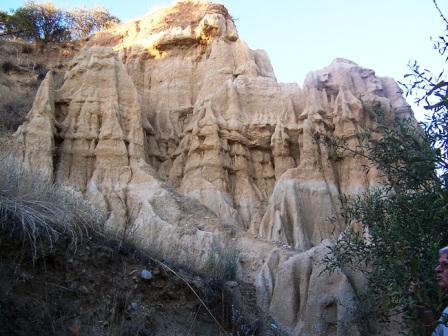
(44, 22)
(393, 234)
(16, 25)
(431, 90)
(83, 22)
(39, 22)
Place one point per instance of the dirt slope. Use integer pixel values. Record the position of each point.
(95, 289)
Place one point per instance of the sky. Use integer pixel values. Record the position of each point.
(305, 35)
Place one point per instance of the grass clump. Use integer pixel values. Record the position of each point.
(40, 212)
(223, 265)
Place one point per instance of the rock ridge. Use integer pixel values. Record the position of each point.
(181, 134)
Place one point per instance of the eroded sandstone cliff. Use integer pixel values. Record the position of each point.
(181, 134)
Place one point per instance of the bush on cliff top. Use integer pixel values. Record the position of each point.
(44, 22)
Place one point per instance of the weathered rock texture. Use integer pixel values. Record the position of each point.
(182, 135)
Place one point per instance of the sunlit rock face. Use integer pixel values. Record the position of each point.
(181, 134)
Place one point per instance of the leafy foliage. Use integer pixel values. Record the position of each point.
(431, 90)
(37, 22)
(394, 233)
(84, 21)
(44, 22)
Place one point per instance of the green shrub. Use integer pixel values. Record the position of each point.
(393, 234)
(223, 265)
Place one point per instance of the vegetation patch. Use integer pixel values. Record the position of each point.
(393, 233)
(44, 22)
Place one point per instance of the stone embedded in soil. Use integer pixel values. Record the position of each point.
(83, 290)
(146, 275)
(134, 306)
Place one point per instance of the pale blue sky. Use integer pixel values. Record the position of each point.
(305, 35)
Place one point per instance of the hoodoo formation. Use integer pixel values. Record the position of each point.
(180, 133)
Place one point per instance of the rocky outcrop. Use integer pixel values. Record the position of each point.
(315, 304)
(92, 126)
(37, 133)
(342, 101)
(181, 134)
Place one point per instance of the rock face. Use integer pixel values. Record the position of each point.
(315, 304)
(36, 136)
(183, 136)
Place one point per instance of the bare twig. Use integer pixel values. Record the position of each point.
(194, 320)
(165, 266)
(440, 12)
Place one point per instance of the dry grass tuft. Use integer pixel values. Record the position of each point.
(40, 212)
(223, 265)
